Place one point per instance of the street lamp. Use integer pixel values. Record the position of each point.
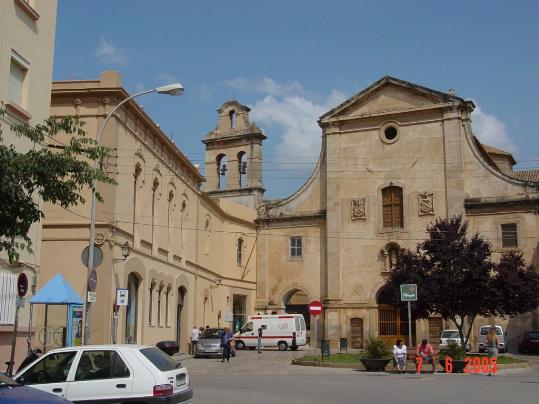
(126, 250)
(170, 89)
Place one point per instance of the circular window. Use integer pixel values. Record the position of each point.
(389, 132)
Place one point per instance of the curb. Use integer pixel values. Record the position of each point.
(359, 366)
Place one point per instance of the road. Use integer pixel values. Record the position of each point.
(269, 378)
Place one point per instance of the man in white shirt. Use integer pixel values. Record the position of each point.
(195, 336)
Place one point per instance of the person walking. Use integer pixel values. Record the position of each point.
(195, 336)
(491, 342)
(259, 342)
(425, 354)
(399, 355)
(226, 343)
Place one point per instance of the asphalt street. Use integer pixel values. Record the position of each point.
(270, 378)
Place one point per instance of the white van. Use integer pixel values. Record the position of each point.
(278, 330)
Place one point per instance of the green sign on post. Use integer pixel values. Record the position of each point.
(409, 292)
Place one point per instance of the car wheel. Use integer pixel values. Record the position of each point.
(240, 345)
(282, 345)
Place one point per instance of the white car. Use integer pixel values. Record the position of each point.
(451, 336)
(483, 331)
(109, 373)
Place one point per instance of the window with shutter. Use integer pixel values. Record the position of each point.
(392, 207)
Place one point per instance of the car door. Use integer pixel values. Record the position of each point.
(101, 374)
(49, 373)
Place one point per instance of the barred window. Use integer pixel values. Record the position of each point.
(509, 235)
(392, 207)
(295, 247)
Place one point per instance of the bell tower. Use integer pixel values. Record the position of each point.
(234, 157)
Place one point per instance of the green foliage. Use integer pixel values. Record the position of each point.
(57, 175)
(454, 351)
(457, 279)
(375, 348)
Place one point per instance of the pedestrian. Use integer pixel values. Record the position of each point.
(259, 339)
(207, 326)
(195, 336)
(399, 356)
(491, 342)
(226, 343)
(425, 352)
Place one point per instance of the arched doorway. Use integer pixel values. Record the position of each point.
(131, 319)
(296, 302)
(356, 333)
(392, 320)
(179, 318)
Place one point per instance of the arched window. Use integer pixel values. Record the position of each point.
(131, 321)
(155, 186)
(150, 303)
(222, 168)
(232, 116)
(207, 231)
(167, 302)
(136, 175)
(392, 207)
(159, 292)
(239, 251)
(242, 168)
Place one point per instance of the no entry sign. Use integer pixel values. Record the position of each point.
(315, 308)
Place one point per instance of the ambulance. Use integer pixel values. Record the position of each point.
(278, 330)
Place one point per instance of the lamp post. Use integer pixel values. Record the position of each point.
(171, 89)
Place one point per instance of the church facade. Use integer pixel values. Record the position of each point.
(394, 157)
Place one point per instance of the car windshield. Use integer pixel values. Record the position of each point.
(533, 334)
(484, 331)
(211, 333)
(159, 359)
(6, 381)
(450, 334)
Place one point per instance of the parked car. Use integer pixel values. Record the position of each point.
(13, 392)
(529, 342)
(109, 373)
(209, 344)
(448, 336)
(278, 330)
(483, 331)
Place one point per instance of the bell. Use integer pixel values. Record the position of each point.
(223, 169)
(243, 167)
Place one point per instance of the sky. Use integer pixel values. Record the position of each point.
(292, 61)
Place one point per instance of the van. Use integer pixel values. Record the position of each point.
(483, 331)
(278, 330)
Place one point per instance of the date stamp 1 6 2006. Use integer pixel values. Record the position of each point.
(473, 364)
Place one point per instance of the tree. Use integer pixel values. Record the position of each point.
(57, 176)
(457, 279)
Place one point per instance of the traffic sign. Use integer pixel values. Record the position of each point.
(98, 256)
(22, 284)
(92, 297)
(92, 280)
(315, 308)
(408, 292)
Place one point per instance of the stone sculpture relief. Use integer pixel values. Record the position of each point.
(359, 209)
(426, 203)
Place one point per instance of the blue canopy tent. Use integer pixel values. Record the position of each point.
(58, 291)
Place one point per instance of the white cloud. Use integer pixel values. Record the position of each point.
(265, 85)
(490, 130)
(297, 117)
(166, 78)
(108, 54)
